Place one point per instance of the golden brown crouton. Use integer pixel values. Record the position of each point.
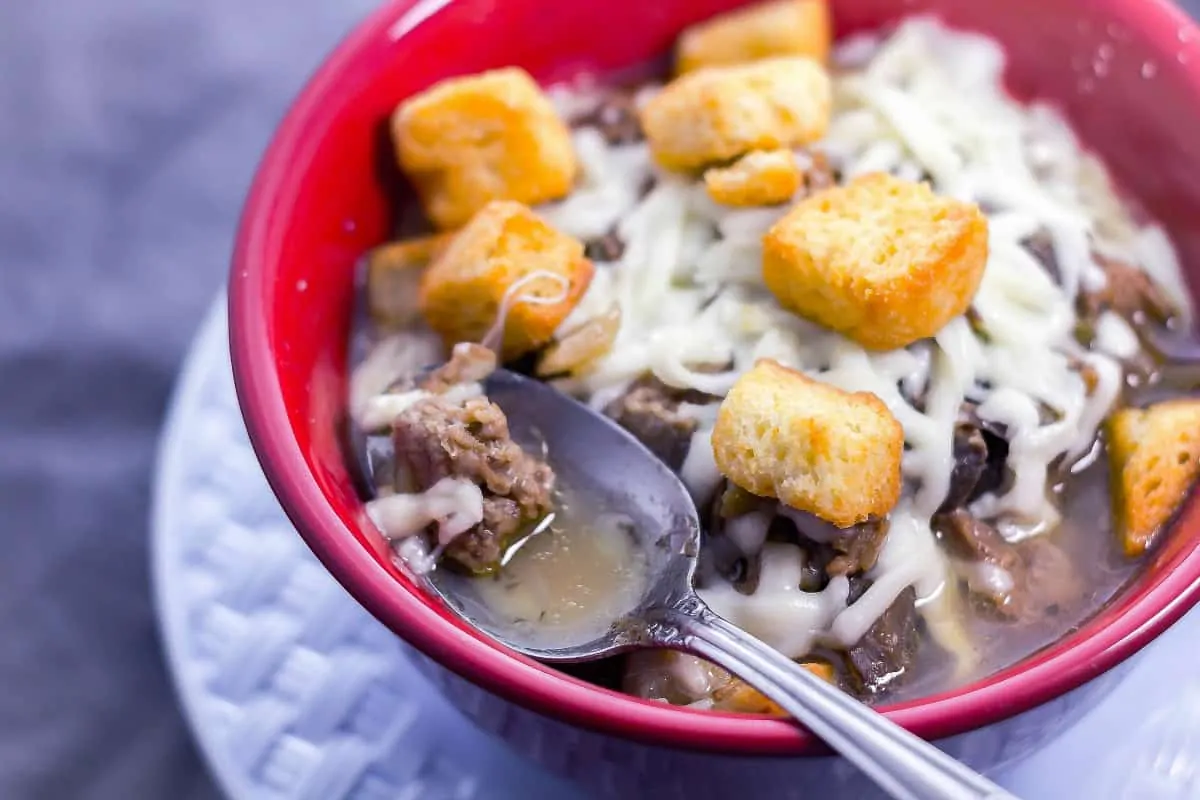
(394, 273)
(815, 447)
(739, 696)
(716, 114)
(1155, 458)
(759, 178)
(463, 289)
(764, 30)
(494, 136)
(883, 261)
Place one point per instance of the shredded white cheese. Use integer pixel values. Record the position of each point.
(779, 613)
(455, 504)
(926, 103)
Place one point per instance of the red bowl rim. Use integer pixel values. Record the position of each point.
(532, 685)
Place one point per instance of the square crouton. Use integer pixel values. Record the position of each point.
(715, 114)
(813, 446)
(883, 261)
(759, 178)
(742, 698)
(1154, 455)
(505, 257)
(494, 136)
(763, 30)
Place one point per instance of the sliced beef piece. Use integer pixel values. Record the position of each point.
(883, 657)
(616, 118)
(469, 363)
(839, 551)
(1022, 582)
(1128, 291)
(609, 247)
(992, 567)
(650, 411)
(821, 175)
(1051, 582)
(996, 475)
(436, 438)
(970, 463)
(856, 548)
(1041, 247)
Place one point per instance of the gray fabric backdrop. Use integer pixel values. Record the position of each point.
(129, 130)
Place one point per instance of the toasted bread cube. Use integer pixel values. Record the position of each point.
(465, 288)
(763, 30)
(813, 446)
(493, 136)
(741, 697)
(759, 178)
(715, 114)
(1155, 458)
(883, 261)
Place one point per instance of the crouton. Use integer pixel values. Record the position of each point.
(715, 114)
(883, 261)
(494, 136)
(394, 273)
(462, 292)
(739, 696)
(815, 447)
(1155, 458)
(764, 30)
(759, 178)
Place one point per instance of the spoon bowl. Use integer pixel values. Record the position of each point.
(592, 454)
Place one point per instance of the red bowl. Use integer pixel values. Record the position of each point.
(326, 192)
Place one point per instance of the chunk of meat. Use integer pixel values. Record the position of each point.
(1051, 582)
(970, 463)
(1041, 246)
(616, 118)
(1023, 582)
(1127, 291)
(820, 174)
(883, 657)
(609, 247)
(650, 410)
(469, 363)
(996, 475)
(435, 438)
(839, 551)
(972, 540)
(857, 547)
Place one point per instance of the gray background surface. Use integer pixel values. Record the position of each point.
(129, 130)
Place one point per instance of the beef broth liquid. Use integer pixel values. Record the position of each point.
(569, 582)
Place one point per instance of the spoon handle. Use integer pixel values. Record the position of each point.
(904, 765)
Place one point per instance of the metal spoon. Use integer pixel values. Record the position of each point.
(592, 454)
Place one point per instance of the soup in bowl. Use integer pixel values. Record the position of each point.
(875, 296)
